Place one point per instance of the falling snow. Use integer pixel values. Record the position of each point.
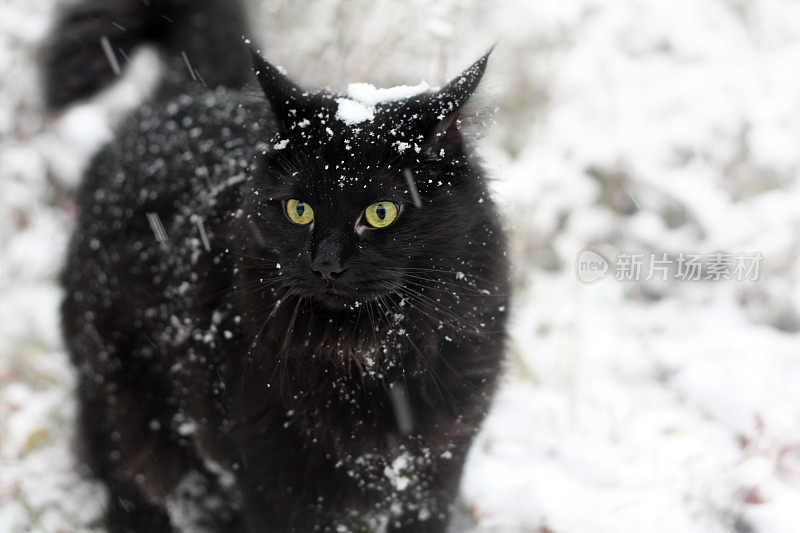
(661, 126)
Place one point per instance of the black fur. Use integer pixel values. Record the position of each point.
(219, 372)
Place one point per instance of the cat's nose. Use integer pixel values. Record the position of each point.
(326, 269)
(327, 258)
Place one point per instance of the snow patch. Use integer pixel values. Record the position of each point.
(351, 112)
(364, 97)
(368, 94)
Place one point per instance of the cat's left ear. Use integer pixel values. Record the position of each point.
(448, 107)
(284, 96)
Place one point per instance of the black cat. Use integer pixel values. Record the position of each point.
(288, 313)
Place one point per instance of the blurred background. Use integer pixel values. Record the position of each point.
(629, 128)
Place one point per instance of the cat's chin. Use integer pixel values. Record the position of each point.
(335, 301)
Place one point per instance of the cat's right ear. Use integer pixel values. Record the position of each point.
(447, 108)
(283, 94)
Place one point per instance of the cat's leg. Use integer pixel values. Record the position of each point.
(197, 504)
(128, 512)
(284, 490)
(428, 509)
(127, 444)
(279, 508)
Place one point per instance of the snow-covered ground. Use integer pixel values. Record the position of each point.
(645, 127)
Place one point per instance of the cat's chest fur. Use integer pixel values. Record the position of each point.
(296, 387)
(328, 377)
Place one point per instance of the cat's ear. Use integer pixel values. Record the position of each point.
(448, 108)
(283, 94)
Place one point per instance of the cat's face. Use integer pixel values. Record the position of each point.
(354, 197)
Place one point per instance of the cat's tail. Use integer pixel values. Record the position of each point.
(92, 40)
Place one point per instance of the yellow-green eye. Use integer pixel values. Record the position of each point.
(299, 212)
(381, 214)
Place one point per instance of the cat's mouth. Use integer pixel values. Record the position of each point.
(336, 291)
(336, 297)
(333, 295)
